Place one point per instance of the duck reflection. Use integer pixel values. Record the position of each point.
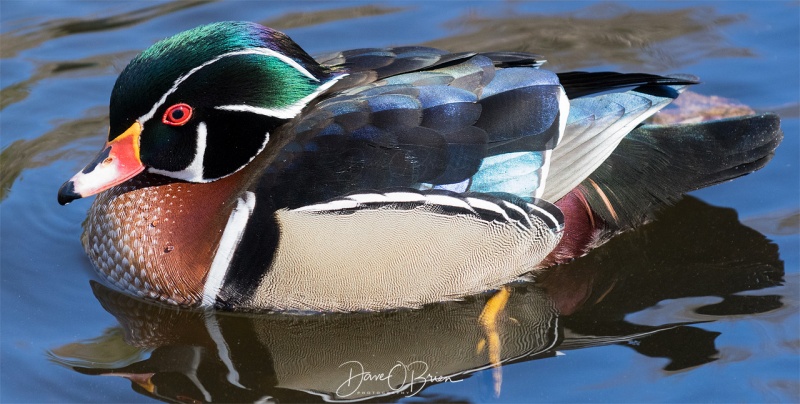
(611, 296)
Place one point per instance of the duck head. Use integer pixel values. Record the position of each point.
(200, 105)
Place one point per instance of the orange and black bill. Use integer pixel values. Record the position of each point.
(118, 162)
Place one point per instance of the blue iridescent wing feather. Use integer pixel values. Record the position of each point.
(410, 130)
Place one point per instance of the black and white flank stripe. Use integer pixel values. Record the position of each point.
(485, 206)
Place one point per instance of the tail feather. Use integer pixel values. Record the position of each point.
(652, 167)
(655, 165)
(595, 127)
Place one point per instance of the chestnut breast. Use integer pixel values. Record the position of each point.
(156, 238)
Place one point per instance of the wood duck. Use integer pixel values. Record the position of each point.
(240, 173)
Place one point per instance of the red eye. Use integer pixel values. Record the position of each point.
(177, 115)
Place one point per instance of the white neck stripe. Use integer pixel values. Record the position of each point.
(231, 236)
(255, 51)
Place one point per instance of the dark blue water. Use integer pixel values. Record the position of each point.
(699, 306)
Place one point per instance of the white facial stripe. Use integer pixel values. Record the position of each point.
(231, 236)
(287, 112)
(285, 59)
(194, 172)
(255, 51)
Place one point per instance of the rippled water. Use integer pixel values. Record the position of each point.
(699, 306)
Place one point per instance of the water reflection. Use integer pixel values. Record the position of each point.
(616, 295)
(311, 18)
(59, 143)
(606, 33)
(36, 33)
